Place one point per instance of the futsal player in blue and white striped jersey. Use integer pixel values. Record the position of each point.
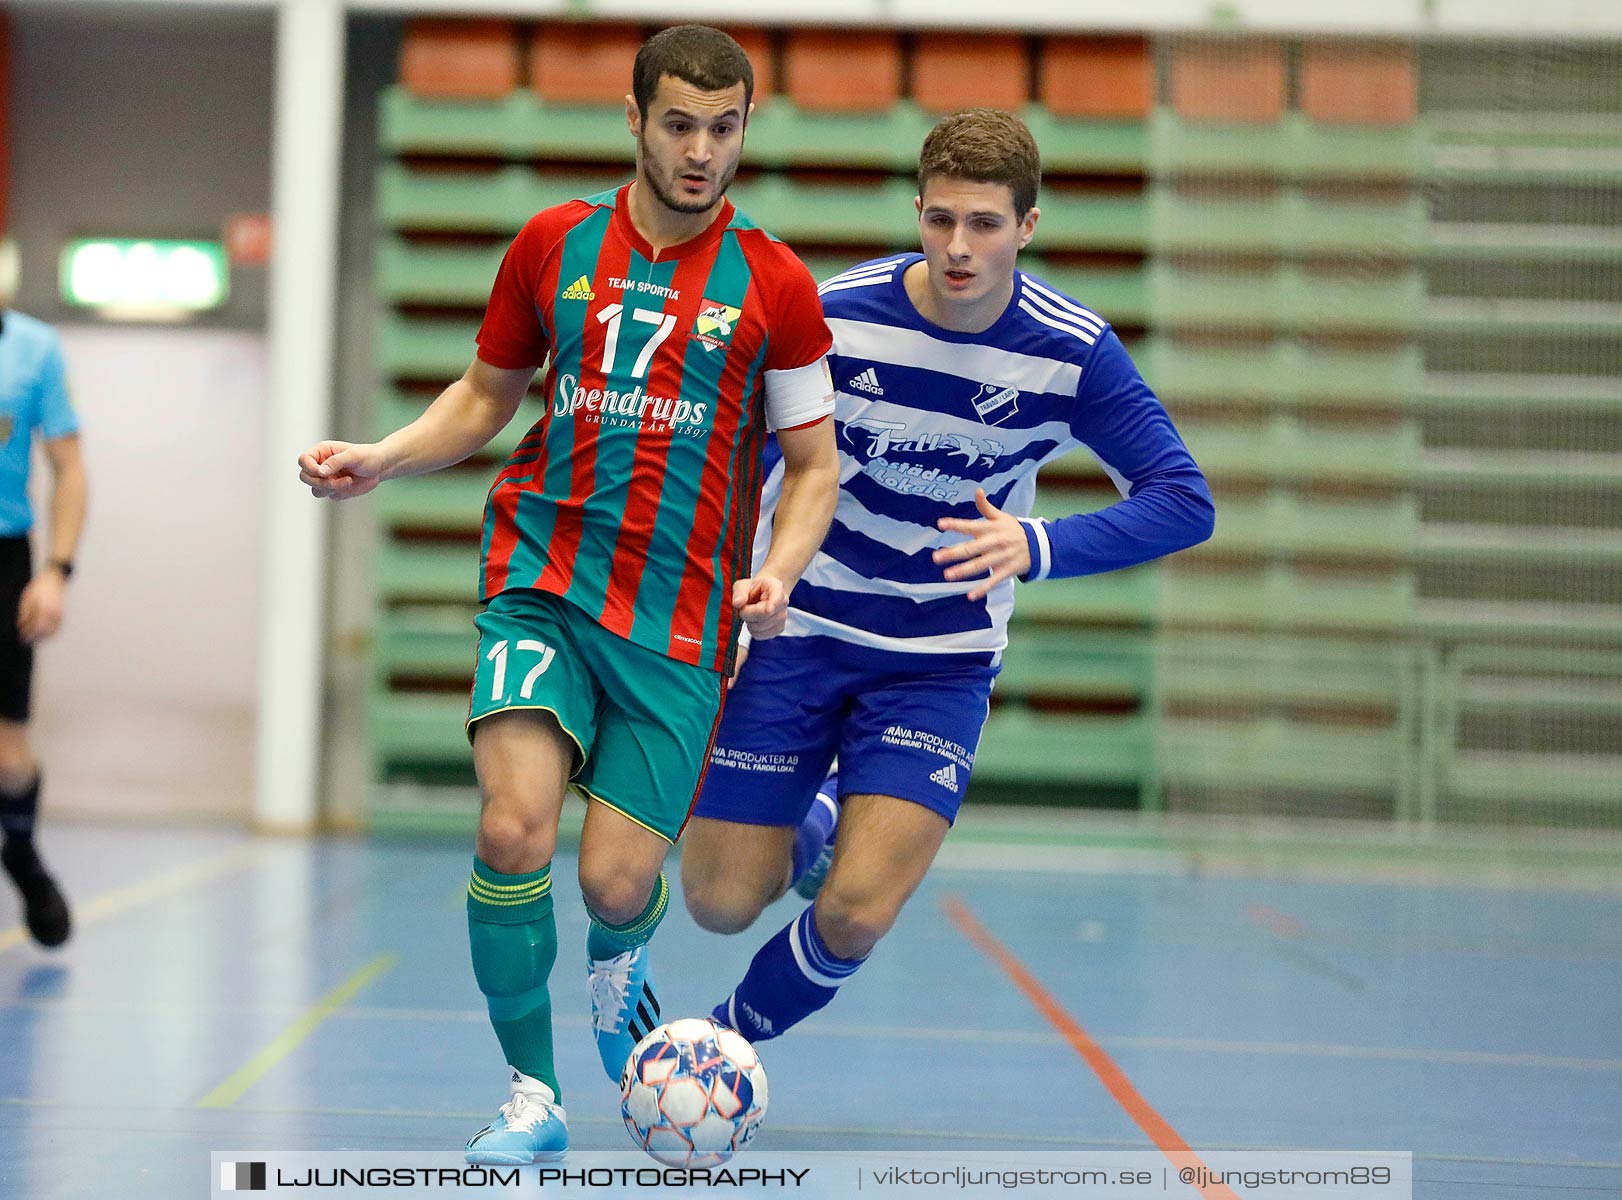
(957, 377)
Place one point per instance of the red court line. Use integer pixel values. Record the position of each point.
(1166, 1139)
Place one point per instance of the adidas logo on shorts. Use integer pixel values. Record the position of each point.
(946, 777)
(580, 289)
(868, 381)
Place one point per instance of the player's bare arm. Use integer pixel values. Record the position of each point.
(806, 509)
(462, 419)
(996, 549)
(40, 608)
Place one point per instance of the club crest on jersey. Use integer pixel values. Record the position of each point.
(713, 329)
(994, 403)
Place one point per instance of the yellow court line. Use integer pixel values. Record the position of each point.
(159, 886)
(257, 1067)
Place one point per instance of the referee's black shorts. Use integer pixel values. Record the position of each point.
(16, 656)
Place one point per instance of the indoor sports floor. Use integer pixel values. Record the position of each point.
(1460, 998)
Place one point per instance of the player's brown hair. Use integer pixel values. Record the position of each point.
(697, 54)
(986, 145)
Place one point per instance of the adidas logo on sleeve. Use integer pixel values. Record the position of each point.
(580, 289)
(946, 776)
(868, 381)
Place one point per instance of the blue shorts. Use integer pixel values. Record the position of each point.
(903, 725)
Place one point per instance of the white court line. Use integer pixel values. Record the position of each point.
(996, 1037)
(841, 1131)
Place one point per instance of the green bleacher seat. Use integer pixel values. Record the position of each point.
(1452, 619)
(393, 410)
(412, 124)
(1121, 597)
(1292, 223)
(1499, 148)
(1287, 524)
(1287, 448)
(1518, 544)
(1244, 669)
(1272, 597)
(569, 132)
(1087, 147)
(1455, 390)
(419, 729)
(1081, 220)
(434, 349)
(1053, 662)
(1490, 316)
(427, 643)
(1281, 754)
(1120, 296)
(446, 500)
(1530, 686)
(1284, 449)
(1286, 298)
(1280, 597)
(484, 202)
(1279, 523)
(1492, 241)
(1542, 468)
(426, 572)
(1022, 747)
(435, 273)
(1283, 372)
(1293, 148)
(881, 212)
(783, 134)
(1536, 780)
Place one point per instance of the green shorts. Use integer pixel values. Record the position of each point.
(642, 723)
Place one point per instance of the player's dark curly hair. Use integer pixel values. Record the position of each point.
(698, 54)
(986, 145)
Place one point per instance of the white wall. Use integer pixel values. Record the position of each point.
(144, 703)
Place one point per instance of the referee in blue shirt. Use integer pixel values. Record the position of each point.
(33, 398)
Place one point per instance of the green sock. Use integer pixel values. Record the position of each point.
(515, 942)
(610, 941)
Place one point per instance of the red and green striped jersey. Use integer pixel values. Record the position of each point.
(635, 496)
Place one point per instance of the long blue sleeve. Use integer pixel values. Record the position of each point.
(1167, 504)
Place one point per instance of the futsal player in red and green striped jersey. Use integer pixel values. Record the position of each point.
(616, 545)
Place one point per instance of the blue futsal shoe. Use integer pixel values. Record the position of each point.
(814, 839)
(623, 1007)
(529, 1128)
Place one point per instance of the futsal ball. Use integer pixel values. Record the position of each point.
(693, 1093)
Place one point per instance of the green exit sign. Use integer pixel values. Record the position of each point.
(144, 278)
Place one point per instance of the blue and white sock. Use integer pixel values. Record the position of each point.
(791, 977)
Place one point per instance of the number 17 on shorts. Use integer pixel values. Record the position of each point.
(528, 661)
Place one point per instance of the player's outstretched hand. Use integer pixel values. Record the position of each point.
(996, 548)
(762, 602)
(341, 470)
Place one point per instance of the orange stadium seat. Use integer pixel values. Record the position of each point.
(1228, 80)
(757, 44)
(1363, 83)
(1097, 78)
(955, 70)
(843, 70)
(583, 62)
(461, 60)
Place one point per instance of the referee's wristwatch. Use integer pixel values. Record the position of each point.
(64, 565)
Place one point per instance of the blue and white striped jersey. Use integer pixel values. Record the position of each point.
(925, 415)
